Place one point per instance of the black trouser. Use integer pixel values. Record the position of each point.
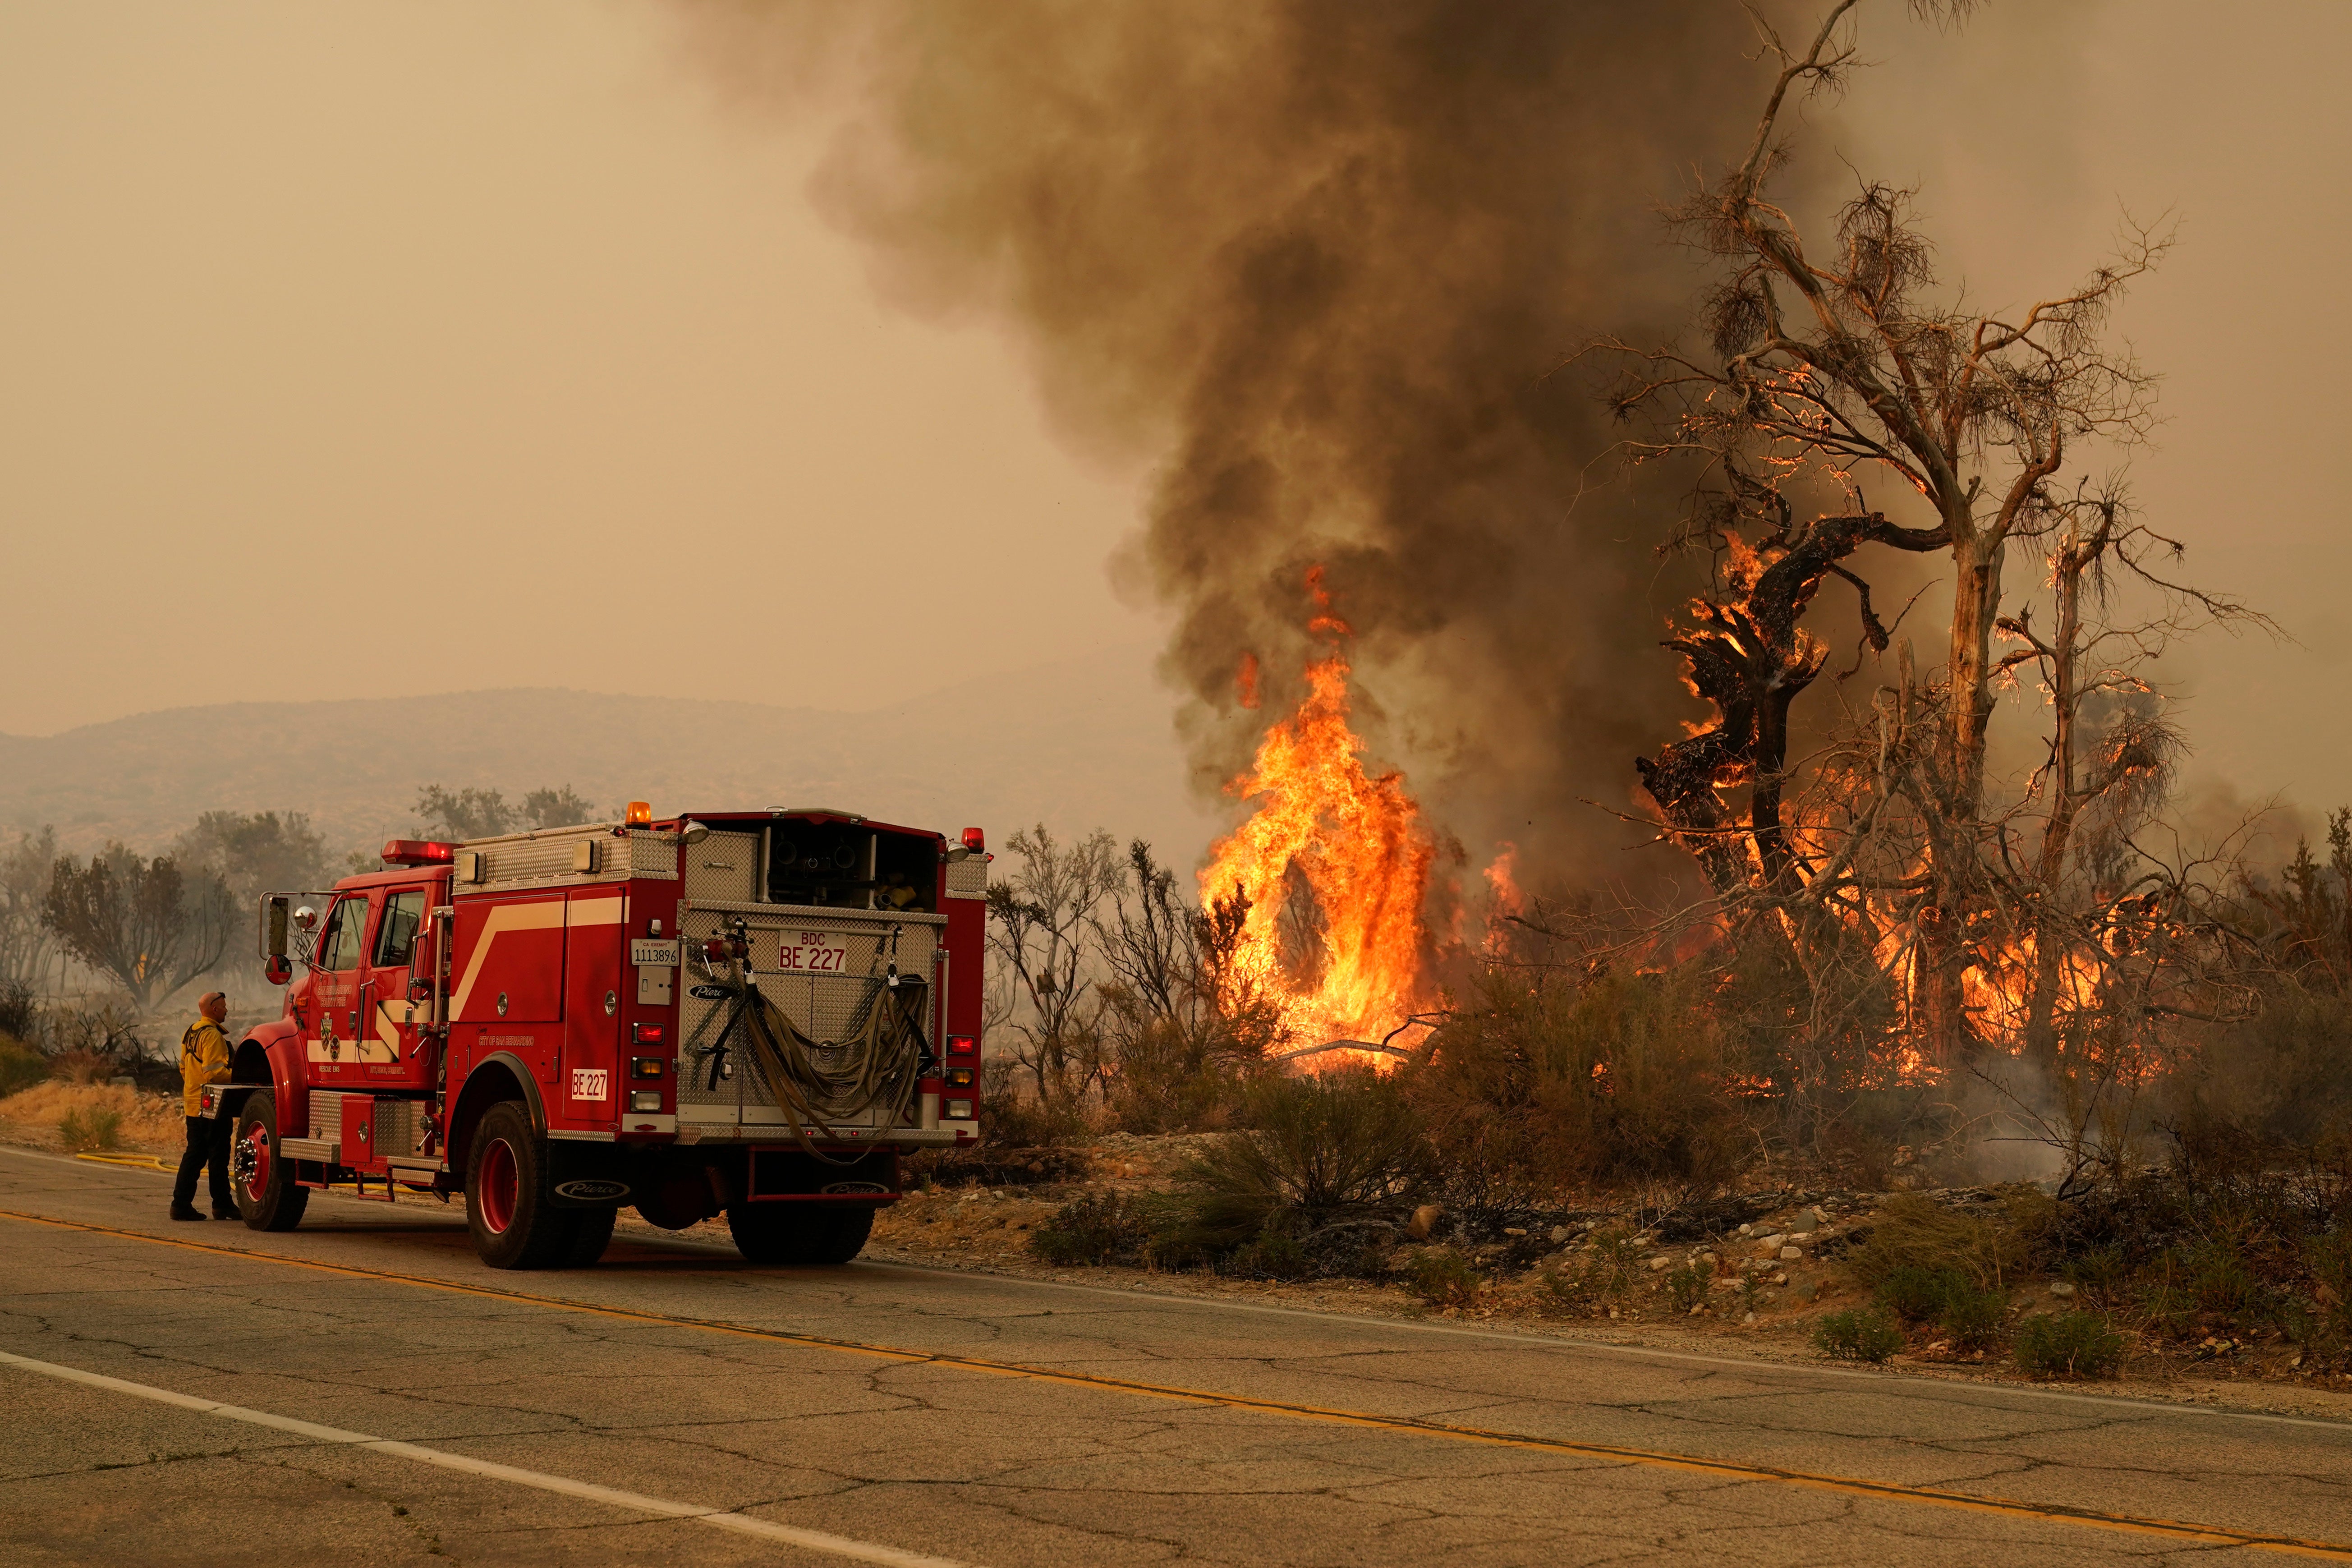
(207, 1149)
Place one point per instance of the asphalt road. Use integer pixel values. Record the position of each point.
(362, 1391)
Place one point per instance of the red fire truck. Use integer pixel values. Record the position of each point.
(754, 1014)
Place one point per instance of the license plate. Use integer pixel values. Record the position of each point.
(654, 952)
(807, 957)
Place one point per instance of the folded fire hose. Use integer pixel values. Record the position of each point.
(819, 1083)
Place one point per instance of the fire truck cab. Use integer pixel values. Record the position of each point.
(753, 1014)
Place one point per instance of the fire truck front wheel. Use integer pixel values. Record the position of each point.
(266, 1193)
(506, 1202)
(801, 1233)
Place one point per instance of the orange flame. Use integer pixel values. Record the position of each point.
(1355, 841)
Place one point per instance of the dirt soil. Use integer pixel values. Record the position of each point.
(150, 1122)
(986, 1227)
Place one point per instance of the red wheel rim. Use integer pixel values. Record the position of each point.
(256, 1150)
(499, 1186)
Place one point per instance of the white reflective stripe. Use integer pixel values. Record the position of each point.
(606, 912)
(637, 1502)
(539, 915)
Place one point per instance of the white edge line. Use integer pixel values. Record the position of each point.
(1898, 1382)
(637, 1502)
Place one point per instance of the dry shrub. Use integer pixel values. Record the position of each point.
(1556, 1078)
(1328, 1160)
(1915, 1237)
(95, 1128)
(85, 1066)
(1443, 1278)
(146, 1122)
(1013, 1120)
(1178, 1077)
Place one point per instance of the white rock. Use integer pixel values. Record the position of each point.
(1559, 1234)
(2062, 1290)
(1788, 1252)
(1658, 1263)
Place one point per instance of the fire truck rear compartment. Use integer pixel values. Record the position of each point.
(839, 865)
(824, 969)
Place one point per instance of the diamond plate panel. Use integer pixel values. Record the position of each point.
(723, 869)
(968, 877)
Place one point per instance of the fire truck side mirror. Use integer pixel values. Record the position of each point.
(274, 917)
(277, 969)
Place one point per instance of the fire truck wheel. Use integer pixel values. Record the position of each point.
(800, 1233)
(507, 1206)
(591, 1232)
(266, 1193)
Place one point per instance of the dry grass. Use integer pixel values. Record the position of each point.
(150, 1121)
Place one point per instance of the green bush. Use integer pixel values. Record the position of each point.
(1916, 1293)
(21, 1066)
(2068, 1344)
(1688, 1286)
(2329, 1259)
(1613, 1264)
(1443, 1278)
(1972, 1317)
(2101, 1274)
(1272, 1255)
(1603, 1277)
(1099, 1228)
(96, 1128)
(1857, 1333)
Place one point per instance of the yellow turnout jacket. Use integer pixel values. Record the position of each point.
(204, 1059)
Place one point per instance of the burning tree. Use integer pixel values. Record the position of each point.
(1987, 908)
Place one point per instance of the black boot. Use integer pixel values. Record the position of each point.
(185, 1211)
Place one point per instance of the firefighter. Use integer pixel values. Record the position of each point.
(204, 1059)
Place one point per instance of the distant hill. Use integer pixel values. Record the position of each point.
(1075, 744)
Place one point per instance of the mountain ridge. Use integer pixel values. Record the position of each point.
(1075, 743)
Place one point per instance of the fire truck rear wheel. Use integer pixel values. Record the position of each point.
(266, 1193)
(591, 1232)
(800, 1234)
(506, 1202)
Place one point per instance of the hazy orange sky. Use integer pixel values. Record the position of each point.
(382, 349)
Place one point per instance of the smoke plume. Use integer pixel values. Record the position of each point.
(1322, 260)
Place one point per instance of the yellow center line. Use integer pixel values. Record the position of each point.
(2057, 1513)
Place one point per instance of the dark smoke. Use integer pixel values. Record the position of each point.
(1322, 258)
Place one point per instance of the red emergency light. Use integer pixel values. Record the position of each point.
(418, 852)
(974, 839)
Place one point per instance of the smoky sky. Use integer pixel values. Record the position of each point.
(1327, 263)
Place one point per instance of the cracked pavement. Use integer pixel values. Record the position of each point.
(989, 1466)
